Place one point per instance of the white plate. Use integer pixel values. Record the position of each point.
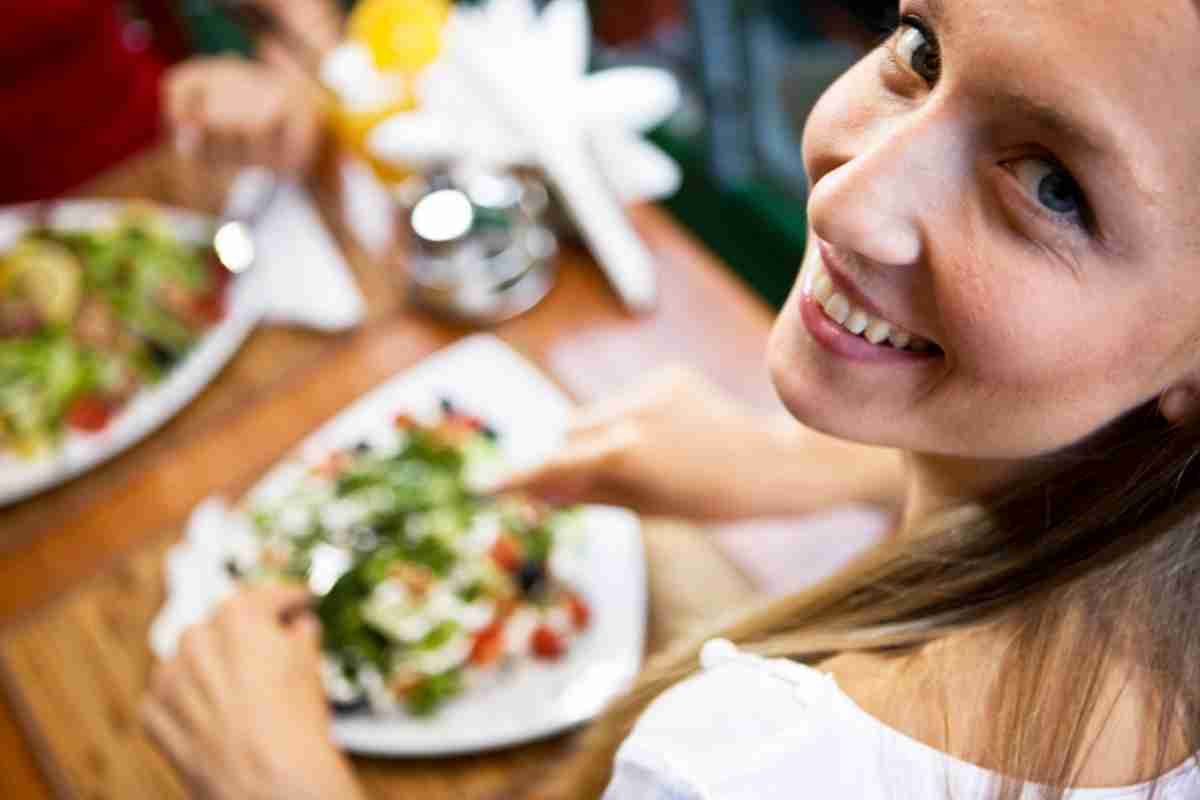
(153, 405)
(484, 377)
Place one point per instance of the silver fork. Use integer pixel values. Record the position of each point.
(253, 192)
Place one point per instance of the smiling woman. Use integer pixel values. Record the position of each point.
(1001, 285)
(972, 186)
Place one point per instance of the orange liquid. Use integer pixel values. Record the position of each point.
(352, 128)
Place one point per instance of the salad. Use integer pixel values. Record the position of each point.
(426, 586)
(89, 317)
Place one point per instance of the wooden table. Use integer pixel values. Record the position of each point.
(284, 382)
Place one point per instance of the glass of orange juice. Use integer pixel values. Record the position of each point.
(401, 38)
(351, 125)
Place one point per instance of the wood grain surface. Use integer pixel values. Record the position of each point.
(103, 531)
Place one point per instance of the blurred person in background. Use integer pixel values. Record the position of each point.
(84, 85)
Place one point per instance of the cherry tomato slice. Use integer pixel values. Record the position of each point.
(89, 413)
(547, 643)
(211, 307)
(506, 552)
(219, 276)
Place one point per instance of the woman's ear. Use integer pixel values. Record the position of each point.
(1180, 402)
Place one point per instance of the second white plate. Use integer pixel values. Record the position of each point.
(153, 405)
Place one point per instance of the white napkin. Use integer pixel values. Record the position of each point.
(304, 278)
(541, 59)
(369, 211)
(196, 577)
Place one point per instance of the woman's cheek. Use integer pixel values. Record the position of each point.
(1033, 343)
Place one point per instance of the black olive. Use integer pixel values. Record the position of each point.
(232, 569)
(532, 576)
(362, 448)
(350, 706)
(447, 405)
(163, 357)
(491, 433)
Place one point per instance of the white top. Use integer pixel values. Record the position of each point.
(750, 728)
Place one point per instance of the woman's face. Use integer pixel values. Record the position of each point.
(1015, 186)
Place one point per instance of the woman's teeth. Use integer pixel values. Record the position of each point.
(858, 321)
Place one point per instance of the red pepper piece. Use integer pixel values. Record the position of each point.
(581, 614)
(488, 645)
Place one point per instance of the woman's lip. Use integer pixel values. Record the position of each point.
(832, 264)
(841, 342)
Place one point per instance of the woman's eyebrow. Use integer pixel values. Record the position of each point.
(1093, 139)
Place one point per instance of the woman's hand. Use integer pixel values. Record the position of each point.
(676, 445)
(233, 111)
(240, 710)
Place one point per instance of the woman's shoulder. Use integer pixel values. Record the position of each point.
(750, 727)
(745, 692)
(742, 727)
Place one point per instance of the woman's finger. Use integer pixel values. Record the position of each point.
(166, 733)
(248, 129)
(187, 140)
(276, 601)
(218, 146)
(269, 121)
(173, 689)
(628, 404)
(568, 475)
(280, 57)
(612, 410)
(183, 108)
(181, 94)
(237, 141)
(306, 629)
(200, 659)
(296, 139)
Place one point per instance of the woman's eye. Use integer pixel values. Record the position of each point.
(918, 50)
(1050, 185)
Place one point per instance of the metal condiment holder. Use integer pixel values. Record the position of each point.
(480, 248)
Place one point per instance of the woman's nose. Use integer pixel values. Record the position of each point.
(878, 200)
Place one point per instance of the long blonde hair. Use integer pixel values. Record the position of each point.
(1106, 533)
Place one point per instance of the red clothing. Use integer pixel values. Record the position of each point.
(76, 94)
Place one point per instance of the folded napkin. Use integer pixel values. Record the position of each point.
(302, 277)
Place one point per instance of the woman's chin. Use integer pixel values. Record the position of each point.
(804, 393)
(811, 394)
